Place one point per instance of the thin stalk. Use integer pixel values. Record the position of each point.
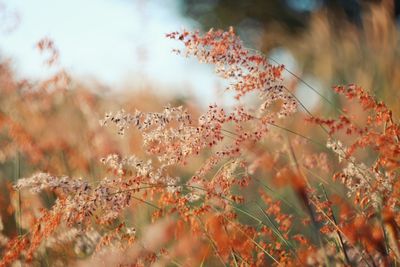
(232, 250)
(234, 258)
(17, 175)
(253, 241)
(298, 134)
(339, 230)
(278, 233)
(176, 263)
(146, 202)
(299, 79)
(232, 205)
(307, 84)
(212, 242)
(347, 260)
(241, 258)
(285, 201)
(311, 212)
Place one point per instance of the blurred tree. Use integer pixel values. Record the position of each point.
(291, 14)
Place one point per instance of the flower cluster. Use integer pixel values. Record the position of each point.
(247, 71)
(257, 198)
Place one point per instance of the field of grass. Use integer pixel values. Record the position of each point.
(138, 179)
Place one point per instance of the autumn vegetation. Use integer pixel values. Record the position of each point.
(97, 180)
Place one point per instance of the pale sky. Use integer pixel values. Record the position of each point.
(115, 41)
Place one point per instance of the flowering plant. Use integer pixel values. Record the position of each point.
(264, 195)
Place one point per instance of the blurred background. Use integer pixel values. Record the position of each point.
(120, 43)
(112, 54)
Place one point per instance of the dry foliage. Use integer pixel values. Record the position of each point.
(229, 187)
